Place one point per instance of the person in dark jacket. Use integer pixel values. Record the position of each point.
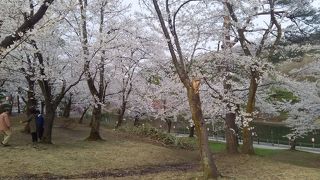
(40, 124)
(32, 125)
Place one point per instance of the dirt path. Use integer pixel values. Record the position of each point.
(143, 170)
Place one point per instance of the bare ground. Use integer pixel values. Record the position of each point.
(122, 156)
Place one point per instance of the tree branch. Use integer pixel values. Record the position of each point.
(27, 25)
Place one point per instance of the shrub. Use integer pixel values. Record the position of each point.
(160, 136)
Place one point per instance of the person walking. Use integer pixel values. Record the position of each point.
(5, 126)
(40, 124)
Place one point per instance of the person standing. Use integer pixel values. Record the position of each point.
(32, 125)
(39, 123)
(5, 126)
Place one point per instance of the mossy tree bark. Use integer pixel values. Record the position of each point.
(209, 168)
(192, 86)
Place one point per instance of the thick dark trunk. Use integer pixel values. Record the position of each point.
(169, 123)
(95, 124)
(42, 107)
(48, 124)
(231, 133)
(83, 114)
(67, 108)
(31, 101)
(136, 121)
(208, 165)
(191, 131)
(18, 104)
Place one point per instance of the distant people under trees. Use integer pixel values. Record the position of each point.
(39, 124)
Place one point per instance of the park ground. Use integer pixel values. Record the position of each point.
(127, 156)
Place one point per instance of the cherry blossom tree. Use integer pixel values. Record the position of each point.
(191, 84)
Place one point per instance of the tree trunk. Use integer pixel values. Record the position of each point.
(67, 108)
(18, 104)
(82, 115)
(11, 102)
(230, 120)
(42, 107)
(191, 131)
(247, 147)
(208, 164)
(192, 87)
(169, 123)
(231, 133)
(136, 121)
(95, 124)
(293, 144)
(120, 118)
(31, 103)
(48, 124)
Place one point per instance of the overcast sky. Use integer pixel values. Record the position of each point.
(135, 4)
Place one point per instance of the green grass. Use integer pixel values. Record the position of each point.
(267, 152)
(217, 147)
(298, 158)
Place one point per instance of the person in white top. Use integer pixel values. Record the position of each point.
(5, 127)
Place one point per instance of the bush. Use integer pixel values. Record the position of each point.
(160, 136)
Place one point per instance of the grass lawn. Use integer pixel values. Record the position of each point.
(298, 158)
(125, 156)
(218, 147)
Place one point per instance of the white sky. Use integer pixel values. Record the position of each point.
(136, 7)
(261, 21)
